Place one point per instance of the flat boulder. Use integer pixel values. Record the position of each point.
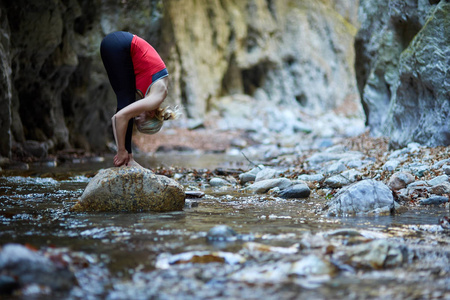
(130, 189)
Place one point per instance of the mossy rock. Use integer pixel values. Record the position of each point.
(130, 189)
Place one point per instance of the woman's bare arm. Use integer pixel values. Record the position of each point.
(152, 101)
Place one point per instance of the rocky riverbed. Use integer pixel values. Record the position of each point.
(345, 218)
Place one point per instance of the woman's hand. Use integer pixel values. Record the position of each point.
(121, 158)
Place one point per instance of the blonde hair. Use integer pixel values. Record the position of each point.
(154, 124)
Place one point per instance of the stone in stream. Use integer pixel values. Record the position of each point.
(130, 189)
(363, 197)
(264, 186)
(21, 266)
(221, 233)
(300, 190)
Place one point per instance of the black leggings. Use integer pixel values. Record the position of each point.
(115, 51)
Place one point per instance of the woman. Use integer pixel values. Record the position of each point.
(134, 67)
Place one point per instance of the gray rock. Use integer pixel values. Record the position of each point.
(378, 254)
(363, 197)
(438, 180)
(267, 173)
(391, 165)
(264, 186)
(218, 182)
(400, 180)
(250, 175)
(312, 177)
(322, 157)
(312, 265)
(446, 169)
(434, 200)
(221, 233)
(30, 267)
(403, 72)
(131, 189)
(335, 168)
(441, 163)
(343, 179)
(418, 169)
(296, 191)
(422, 85)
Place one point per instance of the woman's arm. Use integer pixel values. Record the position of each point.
(152, 101)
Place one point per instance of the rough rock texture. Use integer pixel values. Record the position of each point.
(363, 197)
(29, 267)
(131, 189)
(296, 56)
(402, 68)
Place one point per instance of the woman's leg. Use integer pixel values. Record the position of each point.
(115, 52)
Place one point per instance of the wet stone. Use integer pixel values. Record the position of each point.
(264, 186)
(378, 254)
(363, 197)
(250, 175)
(27, 267)
(131, 189)
(218, 182)
(221, 233)
(297, 191)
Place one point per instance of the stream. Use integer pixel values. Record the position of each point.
(134, 255)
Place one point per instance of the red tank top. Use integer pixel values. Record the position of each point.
(146, 62)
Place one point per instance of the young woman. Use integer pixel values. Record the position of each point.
(134, 68)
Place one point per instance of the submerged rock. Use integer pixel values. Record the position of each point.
(378, 254)
(221, 233)
(363, 197)
(131, 189)
(21, 266)
(312, 265)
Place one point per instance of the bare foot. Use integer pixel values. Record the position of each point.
(133, 163)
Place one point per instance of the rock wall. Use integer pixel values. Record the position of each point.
(291, 55)
(402, 67)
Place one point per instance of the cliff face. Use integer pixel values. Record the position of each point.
(402, 52)
(293, 56)
(297, 54)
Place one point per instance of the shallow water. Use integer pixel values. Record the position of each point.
(122, 249)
